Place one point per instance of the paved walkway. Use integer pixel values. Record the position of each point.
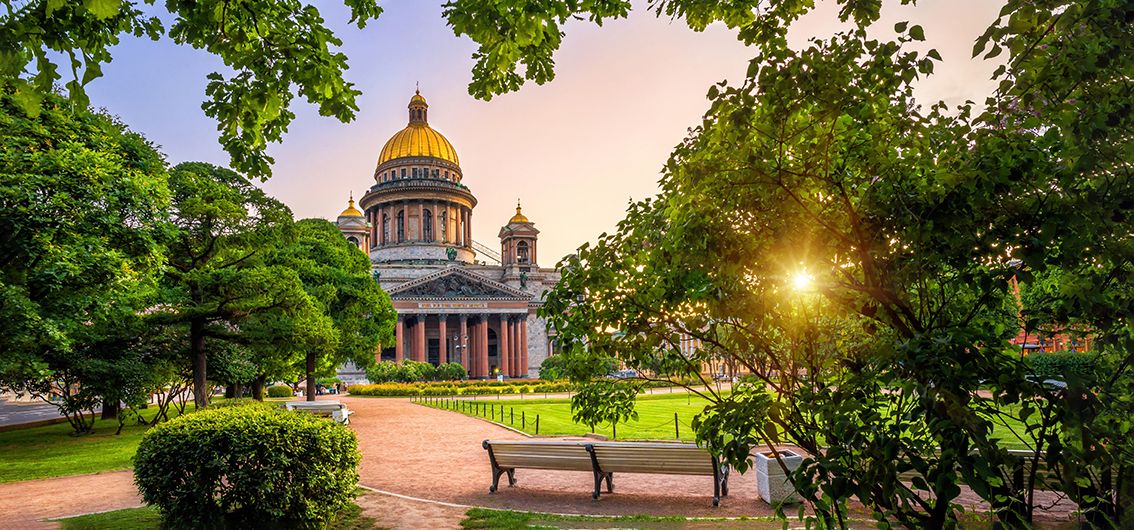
(433, 454)
(27, 504)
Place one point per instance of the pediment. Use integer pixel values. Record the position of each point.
(456, 284)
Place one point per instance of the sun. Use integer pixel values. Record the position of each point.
(802, 281)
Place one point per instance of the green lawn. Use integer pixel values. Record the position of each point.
(484, 519)
(53, 451)
(148, 518)
(655, 417)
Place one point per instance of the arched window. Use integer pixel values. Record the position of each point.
(385, 229)
(522, 252)
(443, 221)
(353, 240)
(427, 225)
(401, 226)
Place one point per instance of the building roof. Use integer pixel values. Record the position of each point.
(418, 139)
(351, 211)
(519, 217)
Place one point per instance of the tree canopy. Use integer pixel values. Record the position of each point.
(81, 217)
(852, 247)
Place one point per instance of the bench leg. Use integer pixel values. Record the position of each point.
(496, 472)
(511, 478)
(598, 484)
(724, 482)
(610, 482)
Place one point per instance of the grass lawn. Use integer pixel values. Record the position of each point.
(483, 519)
(147, 518)
(655, 417)
(53, 451)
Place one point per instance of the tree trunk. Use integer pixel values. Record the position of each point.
(110, 409)
(230, 391)
(258, 388)
(200, 362)
(310, 376)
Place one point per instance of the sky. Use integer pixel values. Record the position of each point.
(574, 151)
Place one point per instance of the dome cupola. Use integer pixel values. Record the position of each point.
(418, 139)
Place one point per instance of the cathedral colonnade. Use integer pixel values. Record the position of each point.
(486, 344)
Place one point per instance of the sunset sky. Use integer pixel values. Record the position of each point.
(574, 151)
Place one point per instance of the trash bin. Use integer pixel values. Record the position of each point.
(771, 481)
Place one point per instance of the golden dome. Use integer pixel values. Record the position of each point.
(351, 211)
(519, 217)
(418, 138)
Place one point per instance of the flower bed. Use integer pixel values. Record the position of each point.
(463, 388)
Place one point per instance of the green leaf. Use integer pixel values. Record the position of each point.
(103, 9)
(917, 33)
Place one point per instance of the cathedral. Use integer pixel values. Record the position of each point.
(457, 300)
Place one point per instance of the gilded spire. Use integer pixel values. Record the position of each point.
(519, 217)
(351, 211)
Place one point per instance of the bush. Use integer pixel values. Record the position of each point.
(247, 466)
(240, 402)
(414, 372)
(1068, 366)
(279, 391)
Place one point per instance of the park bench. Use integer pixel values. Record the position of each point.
(332, 409)
(604, 459)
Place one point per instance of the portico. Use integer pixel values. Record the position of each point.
(456, 316)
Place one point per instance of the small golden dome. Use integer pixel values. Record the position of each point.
(519, 217)
(351, 211)
(418, 138)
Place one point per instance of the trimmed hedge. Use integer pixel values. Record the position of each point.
(240, 402)
(279, 391)
(468, 388)
(1066, 366)
(247, 467)
(410, 371)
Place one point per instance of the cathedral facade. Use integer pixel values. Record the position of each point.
(457, 300)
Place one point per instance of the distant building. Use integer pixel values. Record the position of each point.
(416, 224)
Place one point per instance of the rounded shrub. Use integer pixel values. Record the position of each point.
(279, 391)
(247, 467)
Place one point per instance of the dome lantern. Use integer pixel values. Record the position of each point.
(418, 109)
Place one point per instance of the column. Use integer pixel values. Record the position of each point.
(468, 229)
(463, 343)
(442, 353)
(524, 348)
(482, 347)
(421, 221)
(419, 339)
(399, 339)
(505, 351)
(516, 351)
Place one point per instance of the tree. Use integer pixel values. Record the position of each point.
(82, 203)
(852, 248)
(358, 316)
(270, 45)
(217, 278)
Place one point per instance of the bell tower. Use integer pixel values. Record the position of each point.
(518, 241)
